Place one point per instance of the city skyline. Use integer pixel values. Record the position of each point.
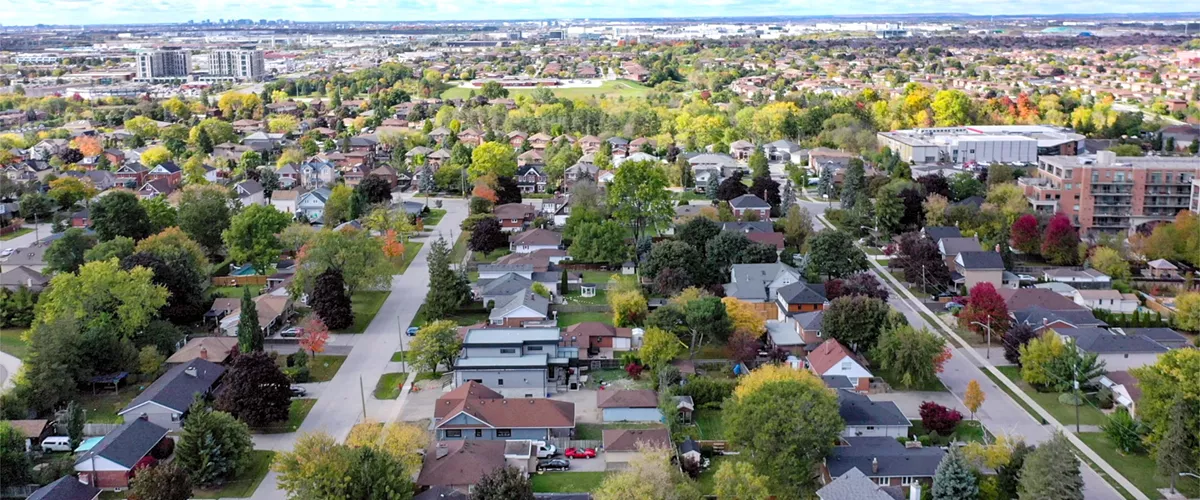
(180, 11)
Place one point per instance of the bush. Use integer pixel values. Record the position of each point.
(1070, 399)
(705, 390)
(925, 440)
(298, 359)
(1104, 397)
(297, 374)
(938, 418)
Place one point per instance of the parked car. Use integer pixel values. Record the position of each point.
(299, 392)
(580, 453)
(7, 252)
(545, 450)
(1026, 278)
(56, 443)
(951, 306)
(412, 331)
(294, 331)
(554, 464)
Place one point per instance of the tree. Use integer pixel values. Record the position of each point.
(739, 480)
(974, 397)
(249, 333)
(255, 390)
(953, 479)
(68, 191)
(155, 156)
(492, 158)
(1038, 355)
(376, 189)
(150, 361)
(179, 264)
(1187, 307)
(436, 344)
(743, 317)
(599, 243)
(1170, 380)
(1060, 244)
(984, 306)
(938, 418)
(448, 290)
(916, 356)
(101, 295)
(1126, 433)
(853, 182)
(834, 255)
(628, 307)
(705, 318)
(724, 250)
(337, 207)
(119, 214)
(797, 226)
(252, 236)
(1051, 472)
(403, 440)
(671, 254)
(492, 89)
(320, 468)
(659, 348)
(650, 474)
(856, 322)
(36, 206)
(204, 214)
(15, 466)
(1016, 337)
(161, 214)
(1025, 234)
(116, 248)
(504, 483)
(68, 252)
(1008, 476)
(951, 108)
(53, 366)
(213, 447)
(168, 481)
(864, 284)
(935, 206)
(639, 198)
(1110, 262)
(354, 253)
(825, 181)
(75, 420)
(315, 336)
(330, 301)
(731, 187)
(786, 422)
(487, 236)
(1176, 450)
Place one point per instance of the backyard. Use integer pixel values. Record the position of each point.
(1064, 413)
(11, 342)
(613, 88)
(296, 414)
(490, 257)
(235, 292)
(568, 319)
(102, 406)
(601, 298)
(246, 482)
(967, 431)
(567, 482)
(366, 305)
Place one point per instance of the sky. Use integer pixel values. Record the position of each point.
(170, 11)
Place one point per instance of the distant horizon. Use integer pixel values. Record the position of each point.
(180, 12)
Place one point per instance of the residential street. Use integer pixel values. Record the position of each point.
(340, 406)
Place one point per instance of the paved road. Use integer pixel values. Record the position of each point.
(340, 405)
(24, 240)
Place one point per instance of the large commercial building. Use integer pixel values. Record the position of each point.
(166, 64)
(1107, 193)
(235, 64)
(981, 143)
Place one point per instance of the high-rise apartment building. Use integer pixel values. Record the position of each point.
(1107, 193)
(169, 63)
(237, 64)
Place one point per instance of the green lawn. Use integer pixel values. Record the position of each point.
(490, 257)
(323, 367)
(235, 292)
(568, 319)
(464, 317)
(246, 481)
(459, 251)
(968, 431)
(615, 88)
(400, 264)
(597, 277)
(11, 342)
(601, 298)
(14, 234)
(1065, 414)
(389, 384)
(296, 414)
(567, 482)
(711, 424)
(402, 356)
(1138, 469)
(707, 480)
(366, 305)
(894, 381)
(103, 406)
(434, 217)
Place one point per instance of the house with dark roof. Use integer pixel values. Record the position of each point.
(628, 405)
(936, 233)
(800, 297)
(522, 308)
(514, 216)
(750, 203)
(111, 462)
(883, 460)
(979, 267)
(865, 417)
(951, 247)
(21, 276)
(532, 240)
(500, 289)
(621, 445)
(461, 463)
(854, 485)
(1116, 350)
(472, 411)
(759, 286)
(166, 401)
(1041, 318)
(66, 488)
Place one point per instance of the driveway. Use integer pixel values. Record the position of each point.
(585, 405)
(910, 402)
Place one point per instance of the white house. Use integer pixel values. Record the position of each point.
(532, 240)
(285, 200)
(831, 358)
(312, 204)
(864, 417)
(1108, 300)
(250, 193)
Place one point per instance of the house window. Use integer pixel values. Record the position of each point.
(870, 427)
(478, 433)
(175, 417)
(499, 381)
(908, 480)
(453, 433)
(507, 350)
(882, 481)
(845, 365)
(535, 348)
(503, 433)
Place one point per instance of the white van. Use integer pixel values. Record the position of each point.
(56, 443)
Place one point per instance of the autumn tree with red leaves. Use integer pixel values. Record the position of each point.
(392, 247)
(1060, 244)
(1026, 237)
(986, 306)
(315, 335)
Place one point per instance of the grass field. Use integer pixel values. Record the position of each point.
(235, 292)
(434, 217)
(1138, 469)
(464, 317)
(14, 234)
(707, 480)
(568, 319)
(968, 431)
(366, 305)
(567, 482)
(1065, 414)
(103, 406)
(296, 414)
(12, 343)
(246, 482)
(598, 277)
(615, 88)
(323, 367)
(459, 251)
(388, 386)
(490, 257)
(400, 264)
(711, 424)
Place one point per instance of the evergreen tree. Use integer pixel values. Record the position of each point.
(758, 164)
(1174, 452)
(854, 182)
(213, 446)
(1051, 472)
(75, 421)
(954, 480)
(825, 182)
(1008, 476)
(712, 186)
(505, 483)
(330, 301)
(448, 290)
(250, 336)
(788, 198)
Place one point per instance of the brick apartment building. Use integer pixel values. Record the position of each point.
(1106, 193)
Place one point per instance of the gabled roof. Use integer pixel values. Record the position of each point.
(749, 201)
(494, 410)
(802, 292)
(627, 398)
(748, 227)
(627, 439)
(524, 298)
(20, 276)
(127, 444)
(66, 488)
(1038, 316)
(1169, 338)
(1101, 341)
(980, 261)
(853, 485)
(749, 281)
(537, 237)
(893, 458)
(460, 462)
(1018, 299)
(955, 246)
(249, 188)
(857, 409)
(505, 285)
(177, 388)
(513, 211)
(827, 355)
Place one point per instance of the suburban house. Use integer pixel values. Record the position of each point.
(741, 149)
(501, 289)
(936, 233)
(1163, 268)
(750, 203)
(1079, 278)
(214, 349)
(166, 401)
(250, 193)
(460, 463)
(1126, 389)
(854, 485)
(595, 341)
(631, 405)
(472, 411)
(979, 267)
(312, 204)
(589, 144)
(110, 464)
(823, 156)
(285, 200)
(621, 445)
(1042, 308)
(515, 362)
(1107, 299)
(831, 358)
(273, 311)
(1119, 352)
(784, 150)
(522, 308)
(21, 276)
(514, 216)
(758, 284)
(864, 417)
(33, 431)
(551, 278)
(66, 488)
(951, 247)
(798, 334)
(167, 171)
(883, 460)
(32, 257)
(530, 177)
(532, 240)
(155, 188)
(800, 297)
(131, 174)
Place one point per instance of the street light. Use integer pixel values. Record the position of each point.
(988, 326)
(1182, 474)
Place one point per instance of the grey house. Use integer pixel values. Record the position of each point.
(515, 362)
(864, 417)
(166, 401)
(884, 460)
(472, 411)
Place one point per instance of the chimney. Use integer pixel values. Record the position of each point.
(191, 370)
(914, 491)
(874, 466)
(204, 353)
(441, 451)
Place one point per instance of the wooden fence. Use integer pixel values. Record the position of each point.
(256, 279)
(99, 429)
(563, 443)
(580, 308)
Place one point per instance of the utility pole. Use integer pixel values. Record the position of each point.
(400, 330)
(1078, 401)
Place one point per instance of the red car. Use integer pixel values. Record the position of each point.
(580, 453)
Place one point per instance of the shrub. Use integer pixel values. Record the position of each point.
(298, 374)
(938, 418)
(1070, 399)
(925, 440)
(1104, 397)
(705, 390)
